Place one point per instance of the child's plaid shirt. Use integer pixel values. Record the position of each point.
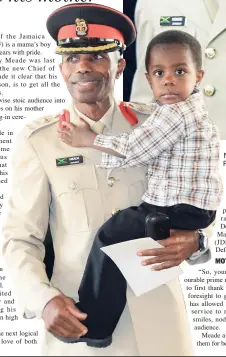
(180, 144)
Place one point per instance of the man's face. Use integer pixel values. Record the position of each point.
(172, 73)
(90, 77)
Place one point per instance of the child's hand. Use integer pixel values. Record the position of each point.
(78, 136)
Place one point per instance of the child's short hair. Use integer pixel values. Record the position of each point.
(176, 37)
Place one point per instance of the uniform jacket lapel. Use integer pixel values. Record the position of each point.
(119, 124)
(87, 153)
(219, 23)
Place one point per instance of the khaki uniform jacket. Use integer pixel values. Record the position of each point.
(76, 200)
(205, 20)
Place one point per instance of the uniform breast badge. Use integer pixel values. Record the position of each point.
(73, 160)
(173, 21)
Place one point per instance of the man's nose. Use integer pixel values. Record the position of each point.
(84, 66)
(169, 79)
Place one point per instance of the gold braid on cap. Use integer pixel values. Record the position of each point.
(89, 48)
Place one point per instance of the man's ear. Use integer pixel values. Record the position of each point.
(120, 67)
(61, 70)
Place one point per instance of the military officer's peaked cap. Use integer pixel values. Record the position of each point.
(90, 28)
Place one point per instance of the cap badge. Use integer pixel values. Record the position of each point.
(81, 27)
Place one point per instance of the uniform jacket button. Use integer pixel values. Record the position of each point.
(111, 181)
(209, 90)
(73, 185)
(210, 52)
(114, 211)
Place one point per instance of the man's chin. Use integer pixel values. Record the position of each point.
(86, 99)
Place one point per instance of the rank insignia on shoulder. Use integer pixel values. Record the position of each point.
(140, 107)
(173, 20)
(72, 160)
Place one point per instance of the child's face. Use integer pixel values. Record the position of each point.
(172, 73)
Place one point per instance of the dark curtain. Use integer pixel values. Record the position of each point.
(129, 54)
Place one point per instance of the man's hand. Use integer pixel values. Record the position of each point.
(178, 247)
(62, 318)
(77, 136)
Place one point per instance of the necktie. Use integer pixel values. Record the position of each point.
(98, 127)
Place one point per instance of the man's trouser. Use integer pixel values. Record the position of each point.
(102, 292)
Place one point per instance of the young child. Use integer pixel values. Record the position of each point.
(180, 144)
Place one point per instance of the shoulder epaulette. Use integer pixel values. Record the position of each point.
(140, 107)
(41, 123)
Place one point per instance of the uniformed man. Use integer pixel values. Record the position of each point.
(205, 20)
(57, 184)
